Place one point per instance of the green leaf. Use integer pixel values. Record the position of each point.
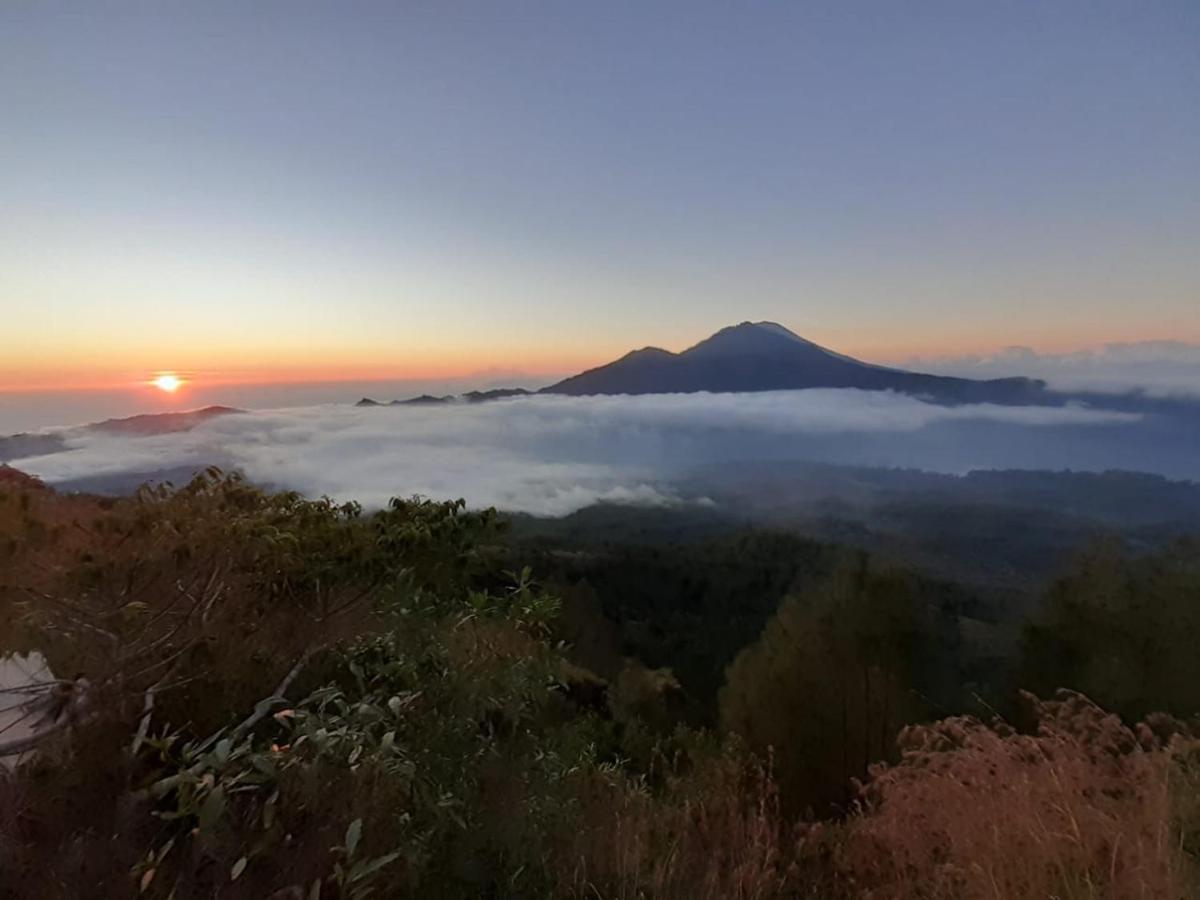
(366, 869)
(164, 850)
(212, 808)
(238, 868)
(353, 833)
(221, 751)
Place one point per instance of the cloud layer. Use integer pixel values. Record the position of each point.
(1159, 368)
(552, 455)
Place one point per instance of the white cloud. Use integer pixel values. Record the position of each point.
(545, 454)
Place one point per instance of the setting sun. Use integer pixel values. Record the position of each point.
(168, 383)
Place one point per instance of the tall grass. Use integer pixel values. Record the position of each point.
(1082, 808)
(714, 833)
(1079, 809)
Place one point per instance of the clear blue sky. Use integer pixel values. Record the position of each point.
(297, 189)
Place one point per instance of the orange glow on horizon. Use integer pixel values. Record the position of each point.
(109, 379)
(109, 370)
(216, 373)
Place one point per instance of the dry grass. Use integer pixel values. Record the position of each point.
(1080, 809)
(716, 834)
(1085, 807)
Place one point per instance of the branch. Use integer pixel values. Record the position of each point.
(69, 700)
(144, 724)
(264, 706)
(350, 604)
(34, 687)
(17, 746)
(163, 785)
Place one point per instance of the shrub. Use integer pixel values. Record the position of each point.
(1082, 808)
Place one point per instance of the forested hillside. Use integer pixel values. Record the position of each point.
(252, 694)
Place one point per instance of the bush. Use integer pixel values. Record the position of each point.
(1082, 808)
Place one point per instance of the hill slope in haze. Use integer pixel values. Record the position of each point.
(44, 443)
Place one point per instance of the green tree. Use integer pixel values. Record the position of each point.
(828, 685)
(1123, 629)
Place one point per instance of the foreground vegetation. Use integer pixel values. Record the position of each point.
(259, 695)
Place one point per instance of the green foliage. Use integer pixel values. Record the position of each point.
(296, 698)
(1123, 629)
(434, 710)
(687, 607)
(830, 682)
(691, 607)
(423, 670)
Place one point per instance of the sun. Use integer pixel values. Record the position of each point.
(167, 382)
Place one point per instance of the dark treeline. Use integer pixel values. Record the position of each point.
(798, 643)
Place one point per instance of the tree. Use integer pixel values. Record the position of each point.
(827, 686)
(1122, 629)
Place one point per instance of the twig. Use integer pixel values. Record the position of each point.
(144, 724)
(72, 701)
(30, 708)
(166, 660)
(163, 785)
(34, 687)
(264, 706)
(18, 746)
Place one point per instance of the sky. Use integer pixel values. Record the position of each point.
(298, 192)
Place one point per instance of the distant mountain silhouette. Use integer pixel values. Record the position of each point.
(494, 394)
(468, 397)
(163, 423)
(764, 356)
(423, 400)
(20, 446)
(44, 443)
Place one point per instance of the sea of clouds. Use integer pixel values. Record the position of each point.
(552, 455)
(1156, 368)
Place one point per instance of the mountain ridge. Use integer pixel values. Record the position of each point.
(764, 356)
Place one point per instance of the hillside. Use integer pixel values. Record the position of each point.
(257, 695)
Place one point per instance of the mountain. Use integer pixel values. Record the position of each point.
(765, 356)
(468, 397)
(494, 394)
(163, 423)
(20, 446)
(423, 400)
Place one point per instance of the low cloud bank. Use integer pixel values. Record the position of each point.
(1157, 368)
(552, 455)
